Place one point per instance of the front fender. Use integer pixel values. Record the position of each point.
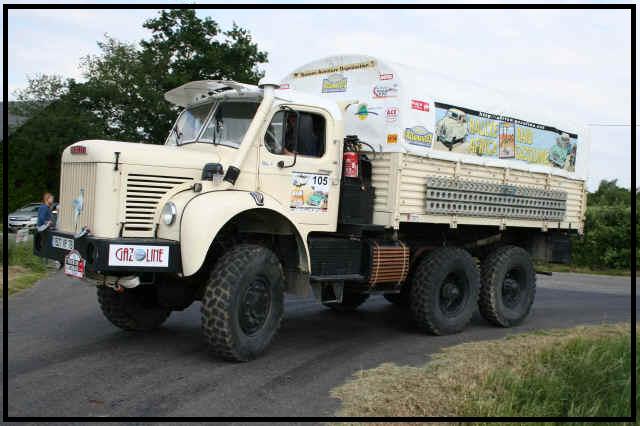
(205, 215)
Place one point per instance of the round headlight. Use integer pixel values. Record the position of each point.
(169, 212)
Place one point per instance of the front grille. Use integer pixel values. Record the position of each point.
(74, 177)
(143, 193)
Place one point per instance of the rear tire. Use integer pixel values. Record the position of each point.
(134, 309)
(243, 302)
(444, 291)
(508, 286)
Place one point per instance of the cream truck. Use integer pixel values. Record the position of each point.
(329, 182)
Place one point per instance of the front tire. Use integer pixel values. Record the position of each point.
(508, 286)
(134, 309)
(243, 302)
(444, 291)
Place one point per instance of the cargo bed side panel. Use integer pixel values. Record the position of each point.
(401, 184)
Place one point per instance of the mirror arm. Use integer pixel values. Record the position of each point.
(295, 137)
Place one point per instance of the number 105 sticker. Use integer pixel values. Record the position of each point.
(309, 192)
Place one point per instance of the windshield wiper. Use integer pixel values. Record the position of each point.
(178, 135)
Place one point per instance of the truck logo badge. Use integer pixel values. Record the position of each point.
(418, 135)
(139, 254)
(258, 198)
(334, 83)
(78, 205)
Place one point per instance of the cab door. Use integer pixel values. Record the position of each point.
(299, 164)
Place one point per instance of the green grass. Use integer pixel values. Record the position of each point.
(582, 371)
(584, 377)
(22, 255)
(24, 281)
(25, 269)
(556, 267)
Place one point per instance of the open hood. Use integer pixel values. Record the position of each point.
(196, 91)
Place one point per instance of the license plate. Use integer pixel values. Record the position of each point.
(74, 264)
(62, 243)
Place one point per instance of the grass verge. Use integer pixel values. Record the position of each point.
(557, 267)
(584, 371)
(25, 269)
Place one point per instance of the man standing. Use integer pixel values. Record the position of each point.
(44, 212)
(290, 134)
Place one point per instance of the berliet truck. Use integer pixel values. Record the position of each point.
(331, 181)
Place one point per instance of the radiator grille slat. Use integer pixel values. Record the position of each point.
(142, 195)
(74, 177)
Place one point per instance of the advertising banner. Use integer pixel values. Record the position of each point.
(463, 130)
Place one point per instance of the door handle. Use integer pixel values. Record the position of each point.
(324, 171)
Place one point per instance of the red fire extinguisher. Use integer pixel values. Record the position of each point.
(350, 162)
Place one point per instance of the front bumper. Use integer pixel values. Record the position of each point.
(20, 224)
(96, 252)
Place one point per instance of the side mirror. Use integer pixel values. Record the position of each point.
(295, 137)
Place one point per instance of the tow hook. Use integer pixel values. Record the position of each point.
(115, 286)
(119, 284)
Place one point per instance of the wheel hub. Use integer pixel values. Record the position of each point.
(452, 295)
(254, 307)
(511, 293)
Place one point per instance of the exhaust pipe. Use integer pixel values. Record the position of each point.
(262, 113)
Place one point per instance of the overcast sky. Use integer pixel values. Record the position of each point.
(576, 62)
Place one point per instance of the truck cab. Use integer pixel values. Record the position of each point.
(241, 163)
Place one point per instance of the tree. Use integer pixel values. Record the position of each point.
(35, 147)
(609, 193)
(123, 95)
(41, 90)
(127, 83)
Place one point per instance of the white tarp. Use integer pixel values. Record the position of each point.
(399, 109)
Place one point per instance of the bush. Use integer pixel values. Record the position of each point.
(607, 238)
(606, 242)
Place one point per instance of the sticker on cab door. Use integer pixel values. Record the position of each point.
(309, 192)
(137, 255)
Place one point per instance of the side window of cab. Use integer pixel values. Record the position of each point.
(291, 130)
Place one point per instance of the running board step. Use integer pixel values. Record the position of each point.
(342, 277)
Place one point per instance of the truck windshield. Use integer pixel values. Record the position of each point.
(229, 122)
(188, 125)
(226, 125)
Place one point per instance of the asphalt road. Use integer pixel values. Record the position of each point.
(65, 359)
